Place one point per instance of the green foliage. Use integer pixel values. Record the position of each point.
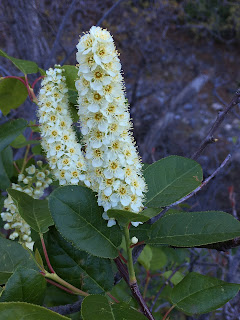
(170, 179)
(22, 310)
(10, 130)
(145, 257)
(12, 94)
(34, 212)
(91, 274)
(190, 229)
(78, 218)
(197, 294)
(25, 66)
(12, 255)
(6, 168)
(221, 19)
(25, 285)
(96, 306)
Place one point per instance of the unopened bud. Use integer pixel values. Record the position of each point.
(134, 240)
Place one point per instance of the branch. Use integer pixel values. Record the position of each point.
(221, 116)
(134, 288)
(106, 14)
(59, 33)
(68, 308)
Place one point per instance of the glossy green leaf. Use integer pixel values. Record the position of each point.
(25, 285)
(27, 311)
(95, 307)
(170, 179)
(78, 218)
(25, 66)
(91, 274)
(145, 257)
(190, 229)
(197, 294)
(35, 212)
(6, 168)
(70, 72)
(124, 217)
(12, 255)
(10, 130)
(12, 94)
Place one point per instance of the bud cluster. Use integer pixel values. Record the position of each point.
(113, 164)
(32, 183)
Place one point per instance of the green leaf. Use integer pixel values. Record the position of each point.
(19, 142)
(6, 168)
(25, 66)
(123, 217)
(91, 274)
(141, 232)
(170, 179)
(70, 72)
(27, 311)
(145, 257)
(12, 94)
(151, 212)
(78, 218)
(10, 130)
(197, 294)
(34, 212)
(176, 278)
(72, 96)
(38, 258)
(25, 285)
(95, 307)
(190, 229)
(159, 259)
(12, 255)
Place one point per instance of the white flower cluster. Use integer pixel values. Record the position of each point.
(58, 137)
(114, 166)
(32, 184)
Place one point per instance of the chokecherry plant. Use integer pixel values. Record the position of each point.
(71, 249)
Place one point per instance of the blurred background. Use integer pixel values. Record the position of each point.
(180, 60)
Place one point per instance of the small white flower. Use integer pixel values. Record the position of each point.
(31, 169)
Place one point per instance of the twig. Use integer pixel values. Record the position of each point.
(59, 286)
(106, 14)
(167, 313)
(46, 255)
(67, 308)
(112, 297)
(221, 116)
(134, 288)
(59, 33)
